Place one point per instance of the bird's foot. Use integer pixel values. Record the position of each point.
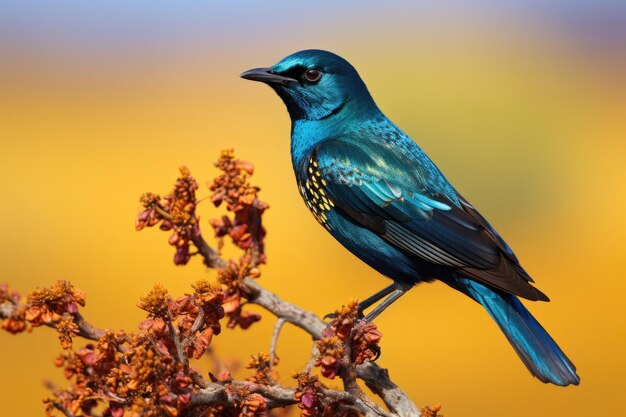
(377, 351)
(329, 317)
(332, 316)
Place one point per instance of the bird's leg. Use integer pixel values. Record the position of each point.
(397, 293)
(369, 301)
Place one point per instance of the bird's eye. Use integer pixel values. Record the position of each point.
(312, 75)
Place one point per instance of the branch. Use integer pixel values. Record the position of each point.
(212, 259)
(278, 396)
(277, 328)
(62, 409)
(303, 319)
(86, 330)
(181, 356)
(210, 393)
(376, 378)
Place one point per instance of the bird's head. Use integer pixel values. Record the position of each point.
(315, 84)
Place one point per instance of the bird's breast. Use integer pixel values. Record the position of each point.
(312, 187)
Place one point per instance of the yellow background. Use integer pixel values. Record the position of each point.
(522, 108)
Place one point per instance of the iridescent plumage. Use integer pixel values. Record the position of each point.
(380, 195)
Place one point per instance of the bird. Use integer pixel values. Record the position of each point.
(378, 193)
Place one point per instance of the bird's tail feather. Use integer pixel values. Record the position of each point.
(539, 352)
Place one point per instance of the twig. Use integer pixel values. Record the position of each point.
(278, 396)
(275, 395)
(279, 325)
(180, 351)
(377, 379)
(212, 259)
(86, 330)
(62, 409)
(194, 328)
(314, 352)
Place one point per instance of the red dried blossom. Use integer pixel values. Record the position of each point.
(240, 197)
(263, 373)
(16, 321)
(47, 305)
(67, 329)
(175, 212)
(365, 343)
(232, 277)
(309, 394)
(254, 405)
(12, 313)
(332, 350)
(54, 306)
(431, 411)
(347, 333)
(156, 302)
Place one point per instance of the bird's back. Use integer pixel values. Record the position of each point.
(381, 196)
(378, 136)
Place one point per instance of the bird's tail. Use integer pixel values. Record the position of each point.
(539, 352)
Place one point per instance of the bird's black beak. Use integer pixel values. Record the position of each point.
(266, 75)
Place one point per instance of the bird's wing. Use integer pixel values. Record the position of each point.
(390, 193)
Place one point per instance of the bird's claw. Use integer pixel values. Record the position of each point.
(377, 351)
(330, 316)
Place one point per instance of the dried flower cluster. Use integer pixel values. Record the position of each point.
(176, 212)
(316, 400)
(431, 411)
(13, 313)
(149, 373)
(47, 306)
(263, 373)
(232, 277)
(233, 189)
(347, 335)
(309, 394)
(144, 374)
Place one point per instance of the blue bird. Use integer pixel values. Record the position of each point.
(382, 198)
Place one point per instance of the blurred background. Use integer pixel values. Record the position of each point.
(523, 107)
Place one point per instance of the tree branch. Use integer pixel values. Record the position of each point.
(277, 328)
(212, 259)
(62, 409)
(278, 396)
(86, 330)
(376, 378)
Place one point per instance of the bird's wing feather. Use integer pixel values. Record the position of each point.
(387, 192)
